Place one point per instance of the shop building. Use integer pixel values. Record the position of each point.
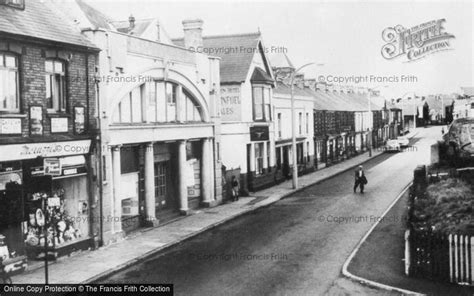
(47, 129)
(303, 110)
(159, 124)
(246, 112)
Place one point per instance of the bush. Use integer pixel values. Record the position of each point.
(446, 207)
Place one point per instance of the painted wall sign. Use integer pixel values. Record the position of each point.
(36, 120)
(33, 150)
(9, 126)
(79, 120)
(59, 124)
(259, 133)
(231, 103)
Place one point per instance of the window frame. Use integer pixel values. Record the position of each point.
(16, 70)
(63, 102)
(265, 108)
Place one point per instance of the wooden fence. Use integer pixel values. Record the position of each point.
(437, 256)
(448, 258)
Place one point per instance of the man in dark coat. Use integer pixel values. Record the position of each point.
(360, 179)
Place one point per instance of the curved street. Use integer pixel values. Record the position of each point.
(296, 246)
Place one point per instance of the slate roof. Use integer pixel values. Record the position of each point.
(236, 53)
(38, 21)
(96, 17)
(468, 91)
(259, 75)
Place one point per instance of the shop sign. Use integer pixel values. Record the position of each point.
(259, 133)
(231, 104)
(59, 125)
(52, 166)
(33, 150)
(54, 202)
(79, 120)
(10, 126)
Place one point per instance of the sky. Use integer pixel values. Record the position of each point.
(343, 38)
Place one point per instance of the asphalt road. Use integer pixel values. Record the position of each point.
(296, 246)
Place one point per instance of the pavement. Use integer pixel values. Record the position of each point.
(90, 266)
(380, 258)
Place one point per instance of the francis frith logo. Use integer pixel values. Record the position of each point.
(416, 42)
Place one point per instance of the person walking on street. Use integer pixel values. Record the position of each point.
(360, 179)
(235, 189)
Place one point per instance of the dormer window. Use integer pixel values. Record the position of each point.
(20, 4)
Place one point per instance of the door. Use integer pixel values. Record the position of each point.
(163, 199)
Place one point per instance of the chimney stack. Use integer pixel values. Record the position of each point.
(131, 21)
(193, 33)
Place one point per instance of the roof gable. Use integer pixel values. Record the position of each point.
(236, 52)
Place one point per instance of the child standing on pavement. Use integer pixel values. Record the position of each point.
(235, 189)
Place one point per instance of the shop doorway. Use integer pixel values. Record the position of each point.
(165, 205)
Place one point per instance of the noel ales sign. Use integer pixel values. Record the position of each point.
(416, 42)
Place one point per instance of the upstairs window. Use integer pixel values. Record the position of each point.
(55, 85)
(9, 86)
(158, 101)
(261, 103)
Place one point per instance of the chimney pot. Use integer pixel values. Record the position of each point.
(131, 20)
(193, 33)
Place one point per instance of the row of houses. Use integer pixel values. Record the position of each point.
(108, 126)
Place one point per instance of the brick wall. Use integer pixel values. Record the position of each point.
(80, 89)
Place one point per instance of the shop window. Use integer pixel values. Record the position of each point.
(259, 158)
(9, 85)
(261, 103)
(55, 85)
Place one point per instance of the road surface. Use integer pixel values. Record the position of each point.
(296, 246)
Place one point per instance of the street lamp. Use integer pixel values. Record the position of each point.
(371, 121)
(293, 125)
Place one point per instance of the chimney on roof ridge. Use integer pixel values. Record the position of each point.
(193, 33)
(131, 22)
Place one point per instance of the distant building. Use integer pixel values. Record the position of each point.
(303, 106)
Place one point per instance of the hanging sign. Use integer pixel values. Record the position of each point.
(52, 167)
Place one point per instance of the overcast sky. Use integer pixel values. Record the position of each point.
(344, 36)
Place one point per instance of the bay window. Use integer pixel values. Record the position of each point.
(9, 83)
(261, 103)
